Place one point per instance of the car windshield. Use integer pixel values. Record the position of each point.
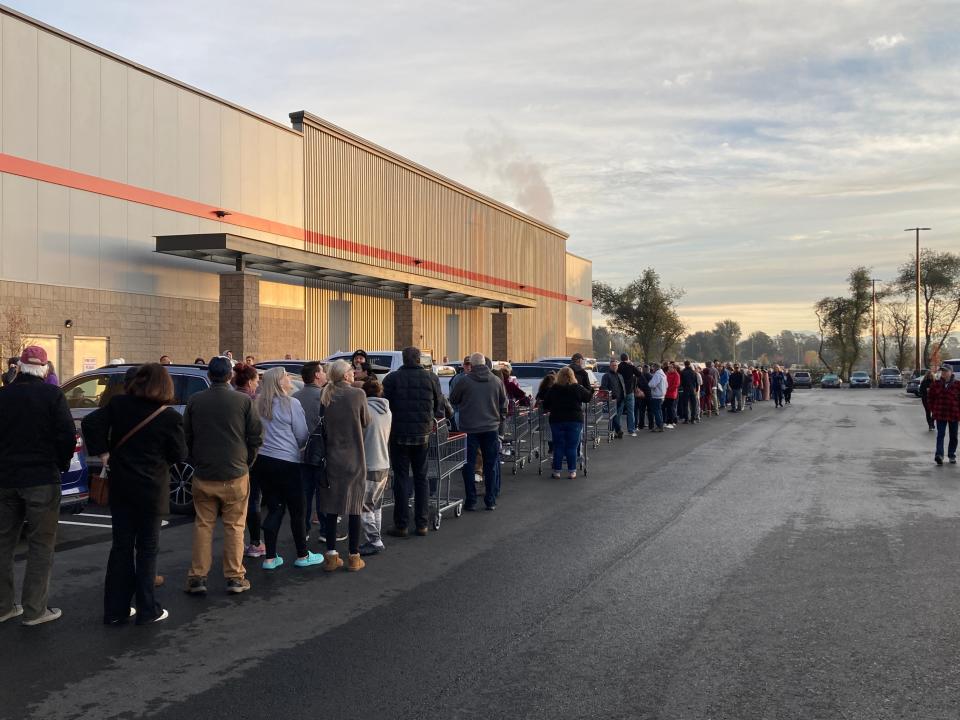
(802, 374)
(860, 374)
(889, 371)
(830, 377)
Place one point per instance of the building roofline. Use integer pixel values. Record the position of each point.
(304, 117)
(580, 257)
(5, 10)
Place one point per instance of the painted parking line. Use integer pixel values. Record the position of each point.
(163, 523)
(93, 515)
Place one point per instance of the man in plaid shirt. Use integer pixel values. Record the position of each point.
(943, 398)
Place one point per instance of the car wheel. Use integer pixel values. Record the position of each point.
(181, 488)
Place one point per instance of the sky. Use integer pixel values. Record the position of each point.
(752, 152)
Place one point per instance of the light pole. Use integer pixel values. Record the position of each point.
(917, 230)
(876, 379)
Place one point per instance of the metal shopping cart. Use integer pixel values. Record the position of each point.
(517, 448)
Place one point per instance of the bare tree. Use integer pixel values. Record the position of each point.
(898, 326)
(13, 331)
(940, 295)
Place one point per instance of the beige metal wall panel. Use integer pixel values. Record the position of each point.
(267, 163)
(371, 321)
(166, 120)
(84, 111)
(53, 100)
(19, 228)
(141, 273)
(84, 239)
(188, 145)
(113, 120)
(140, 121)
(209, 150)
(579, 317)
(53, 234)
(249, 165)
(230, 159)
(282, 295)
(113, 244)
(20, 85)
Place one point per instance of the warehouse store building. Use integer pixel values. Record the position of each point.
(141, 216)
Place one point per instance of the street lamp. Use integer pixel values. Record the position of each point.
(917, 230)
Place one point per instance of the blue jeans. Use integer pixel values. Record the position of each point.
(616, 410)
(566, 441)
(942, 426)
(656, 406)
(629, 404)
(489, 444)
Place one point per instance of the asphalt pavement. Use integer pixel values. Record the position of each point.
(797, 563)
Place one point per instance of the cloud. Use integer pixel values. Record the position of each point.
(886, 42)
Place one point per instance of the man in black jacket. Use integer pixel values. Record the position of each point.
(630, 374)
(689, 382)
(415, 400)
(736, 389)
(576, 364)
(37, 441)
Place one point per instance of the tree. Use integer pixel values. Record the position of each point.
(728, 334)
(758, 347)
(701, 345)
(939, 295)
(606, 342)
(843, 320)
(13, 331)
(645, 310)
(896, 315)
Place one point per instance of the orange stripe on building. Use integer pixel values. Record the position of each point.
(111, 188)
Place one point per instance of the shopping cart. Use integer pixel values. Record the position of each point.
(598, 416)
(543, 437)
(517, 448)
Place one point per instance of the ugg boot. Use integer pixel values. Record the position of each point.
(332, 561)
(355, 562)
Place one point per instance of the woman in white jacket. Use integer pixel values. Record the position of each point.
(377, 450)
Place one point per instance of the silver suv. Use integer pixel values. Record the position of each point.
(93, 389)
(890, 377)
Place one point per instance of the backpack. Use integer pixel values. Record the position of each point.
(315, 453)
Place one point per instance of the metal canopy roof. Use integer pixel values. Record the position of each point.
(246, 253)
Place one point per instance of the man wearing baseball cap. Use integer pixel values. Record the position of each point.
(37, 441)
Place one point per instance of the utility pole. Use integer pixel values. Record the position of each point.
(917, 230)
(876, 378)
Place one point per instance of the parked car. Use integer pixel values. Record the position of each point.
(955, 364)
(860, 379)
(831, 380)
(75, 482)
(913, 385)
(388, 360)
(93, 389)
(890, 377)
(802, 379)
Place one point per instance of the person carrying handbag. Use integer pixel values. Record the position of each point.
(138, 437)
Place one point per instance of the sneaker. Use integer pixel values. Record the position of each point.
(310, 559)
(368, 549)
(161, 617)
(938, 460)
(16, 611)
(48, 615)
(633, 434)
(469, 508)
(120, 620)
(953, 460)
(255, 551)
(238, 585)
(555, 475)
(196, 586)
(572, 476)
(272, 563)
(490, 508)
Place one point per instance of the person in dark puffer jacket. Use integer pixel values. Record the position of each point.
(415, 399)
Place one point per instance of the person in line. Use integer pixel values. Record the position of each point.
(723, 386)
(577, 366)
(481, 401)
(757, 383)
(777, 382)
(51, 378)
(199, 361)
(345, 416)
(277, 469)
(787, 386)
(612, 383)
(514, 392)
(944, 399)
(690, 383)
(764, 383)
(415, 400)
(713, 370)
(250, 360)
(644, 410)
(165, 360)
(138, 436)
(459, 377)
(37, 441)
(223, 433)
(706, 390)
(314, 378)
(11, 373)
(630, 374)
(376, 450)
(658, 390)
(245, 378)
(747, 386)
(735, 383)
(544, 387)
(564, 402)
(924, 390)
(670, 397)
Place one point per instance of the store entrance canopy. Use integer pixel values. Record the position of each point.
(247, 253)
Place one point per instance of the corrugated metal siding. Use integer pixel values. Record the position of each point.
(579, 285)
(355, 195)
(371, 321)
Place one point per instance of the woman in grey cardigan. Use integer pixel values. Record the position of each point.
(345, 416)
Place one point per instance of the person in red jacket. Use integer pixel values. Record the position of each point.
(943, 398)
(670, 399)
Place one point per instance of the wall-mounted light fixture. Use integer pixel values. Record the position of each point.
(418, 262)
(68, 323)
(221, 213)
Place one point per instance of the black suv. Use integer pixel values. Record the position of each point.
(93, 389)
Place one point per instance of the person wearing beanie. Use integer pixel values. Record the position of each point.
(37, 440)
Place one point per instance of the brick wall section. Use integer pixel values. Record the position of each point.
(282, 331)
(240, 313)
(140, 328)
(408, 323)
(502, 335)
